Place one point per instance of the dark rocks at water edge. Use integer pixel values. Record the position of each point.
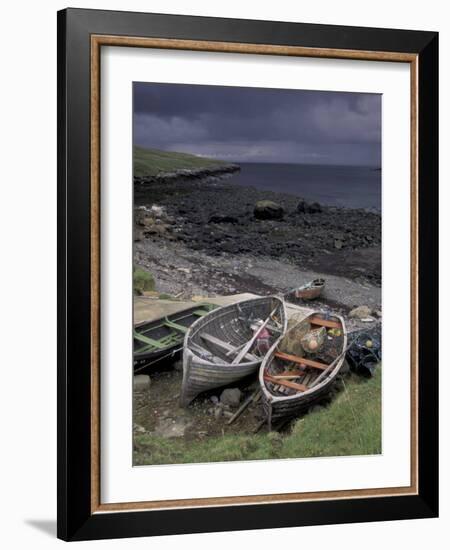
(268, 210)
(304, 207)
(219, 218)
(187, 174)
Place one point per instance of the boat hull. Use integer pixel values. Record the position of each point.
(309, 292)
(168, 339)
(229, 324)
(285, 407)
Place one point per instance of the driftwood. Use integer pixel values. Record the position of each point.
(245, 404)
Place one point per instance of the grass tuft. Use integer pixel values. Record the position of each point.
(142, 280)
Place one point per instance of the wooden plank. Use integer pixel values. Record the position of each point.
(286, 383)
(244, 405)
(287, 376)
(300, 360)
(328, 323)
(225, 346)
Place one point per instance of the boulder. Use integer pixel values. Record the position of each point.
(268, 210)
(361, 312)
(141, 382)
(231, 396)
(304, 207)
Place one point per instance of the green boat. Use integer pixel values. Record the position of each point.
(163, 338)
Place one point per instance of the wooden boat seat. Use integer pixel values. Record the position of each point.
(300, 360)
(225, 346)
(176, 326)
(148, 341)
(328, 323)
(286, 383)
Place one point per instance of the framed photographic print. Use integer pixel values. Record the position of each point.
(247, 274)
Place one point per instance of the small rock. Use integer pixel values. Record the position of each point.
(157, 210)
(360, 312)
(367, 320)
(231, 397)
(214, 399)
(304, 207)
(217, 218)
(268, 210)
(141, 382)
(139, 429)
(378, 313)
(338, 244)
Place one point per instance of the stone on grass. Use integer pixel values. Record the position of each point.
(231, 396)
(141, 382)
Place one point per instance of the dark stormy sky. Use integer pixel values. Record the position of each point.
(259, 125)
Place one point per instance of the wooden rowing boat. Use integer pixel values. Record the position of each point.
(293, 378)
(155, 340)
(222, 347)
(308, 291)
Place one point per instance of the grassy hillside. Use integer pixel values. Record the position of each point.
(150, 162)
(350, 425)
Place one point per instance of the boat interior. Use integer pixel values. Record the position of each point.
(168, 331)
(304, 356)
(232, 338)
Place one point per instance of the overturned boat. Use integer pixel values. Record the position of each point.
(156, 340)
(308, 291)
(229, 343)
(301, 367)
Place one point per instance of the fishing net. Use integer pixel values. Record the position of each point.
(364, 354)
(296, 330)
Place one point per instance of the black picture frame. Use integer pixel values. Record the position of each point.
(76, 521)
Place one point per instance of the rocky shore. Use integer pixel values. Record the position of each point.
(215, 223)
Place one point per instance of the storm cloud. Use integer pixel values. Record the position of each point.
(258, 124)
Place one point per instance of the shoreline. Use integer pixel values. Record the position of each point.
(213, 217)
(187, 174)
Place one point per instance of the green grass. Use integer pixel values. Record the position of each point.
(150, 162)
(142, 280)
(350, 425)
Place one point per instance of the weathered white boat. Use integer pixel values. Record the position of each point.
(229, 343)
(295, 374)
